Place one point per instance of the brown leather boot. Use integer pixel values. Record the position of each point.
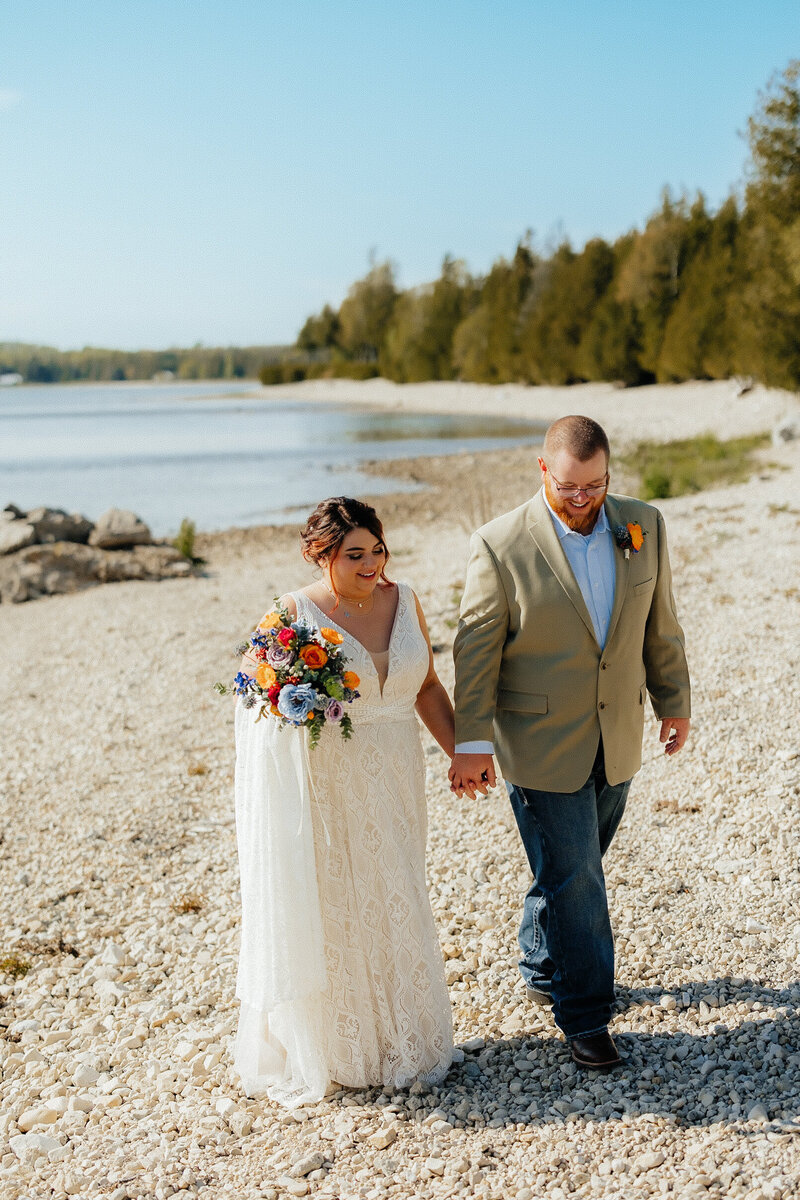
(597, 1052)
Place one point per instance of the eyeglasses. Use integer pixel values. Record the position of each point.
(569, 490)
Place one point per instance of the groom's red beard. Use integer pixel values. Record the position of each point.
(581, 522)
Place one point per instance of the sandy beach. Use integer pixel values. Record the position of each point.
(116, 813)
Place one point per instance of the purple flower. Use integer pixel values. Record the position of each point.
(296, 701)
(334, 711)
(278, 656)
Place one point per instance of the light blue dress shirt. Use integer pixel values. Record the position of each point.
(591, 557)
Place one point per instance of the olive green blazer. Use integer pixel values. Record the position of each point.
(530, 675)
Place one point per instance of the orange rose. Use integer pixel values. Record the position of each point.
(265, 676)
(270, 621)
(350, 679)
(637, 537)
(314, 656)
(333, 636)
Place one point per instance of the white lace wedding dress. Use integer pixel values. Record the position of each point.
(340, 976)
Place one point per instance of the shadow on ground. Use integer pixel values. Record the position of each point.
(731, 1071)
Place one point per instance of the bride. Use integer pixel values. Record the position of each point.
(341, 978)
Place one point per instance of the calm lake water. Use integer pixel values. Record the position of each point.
(221, 453)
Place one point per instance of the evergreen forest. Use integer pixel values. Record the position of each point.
(695, 294)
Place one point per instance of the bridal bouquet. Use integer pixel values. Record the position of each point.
(300, 678)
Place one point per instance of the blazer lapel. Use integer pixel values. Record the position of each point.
(621, 563)
(543, 532)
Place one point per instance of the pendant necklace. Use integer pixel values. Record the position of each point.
(359, 603)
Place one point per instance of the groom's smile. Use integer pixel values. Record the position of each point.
(576, 490)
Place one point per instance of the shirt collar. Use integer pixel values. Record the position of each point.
(563, 530)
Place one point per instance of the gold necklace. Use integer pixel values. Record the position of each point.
(350, 600)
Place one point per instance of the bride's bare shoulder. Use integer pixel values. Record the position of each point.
(288, 602)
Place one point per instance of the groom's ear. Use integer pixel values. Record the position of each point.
(542, 465)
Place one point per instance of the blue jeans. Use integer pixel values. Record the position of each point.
(565, 936)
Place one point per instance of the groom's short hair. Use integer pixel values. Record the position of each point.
(581, 436)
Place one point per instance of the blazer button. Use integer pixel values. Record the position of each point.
(602, 704)
(603, 666)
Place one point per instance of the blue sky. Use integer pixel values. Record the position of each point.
(215, 170)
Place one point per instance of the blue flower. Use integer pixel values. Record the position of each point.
(259, 639)
(296, 701)
(242, 682)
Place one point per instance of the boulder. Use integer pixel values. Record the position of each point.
(47, 571)
(119, 528)
(55, 525)
(787, 430)
(62, 567)
(15, 534)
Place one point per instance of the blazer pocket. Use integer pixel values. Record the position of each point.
(521, 701)
(643, 586)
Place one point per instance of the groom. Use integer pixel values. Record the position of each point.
(567, 623)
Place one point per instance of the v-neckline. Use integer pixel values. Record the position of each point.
(362, 647)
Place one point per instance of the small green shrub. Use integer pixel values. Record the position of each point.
(271, 373)
(14, 965)
(345, 369)
(184, 542)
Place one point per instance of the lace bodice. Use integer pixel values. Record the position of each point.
(407, 662)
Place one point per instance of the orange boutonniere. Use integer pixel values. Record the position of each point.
(630, 537)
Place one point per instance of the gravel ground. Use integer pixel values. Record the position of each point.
(119, 888)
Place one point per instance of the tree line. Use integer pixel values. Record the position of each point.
(44, 364)
(695, 294)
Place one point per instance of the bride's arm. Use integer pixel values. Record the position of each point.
(433, 703)
(250, 663)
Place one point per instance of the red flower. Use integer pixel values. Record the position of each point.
(273, 692)
(286, 637)
(261, 654)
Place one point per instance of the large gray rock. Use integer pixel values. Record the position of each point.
(61, 567)
(55, 525)
(143, 562)
(48, 570)
(118, 528)
(14, 534)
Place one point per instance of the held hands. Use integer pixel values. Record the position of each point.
(472, 773)
(674, 732)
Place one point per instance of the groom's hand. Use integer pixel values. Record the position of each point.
(472, 773)
(674, 732)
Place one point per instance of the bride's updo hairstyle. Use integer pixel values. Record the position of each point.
(329, 524)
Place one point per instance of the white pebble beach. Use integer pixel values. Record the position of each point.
(116, 812)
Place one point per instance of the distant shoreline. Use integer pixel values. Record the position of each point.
(659, 412)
